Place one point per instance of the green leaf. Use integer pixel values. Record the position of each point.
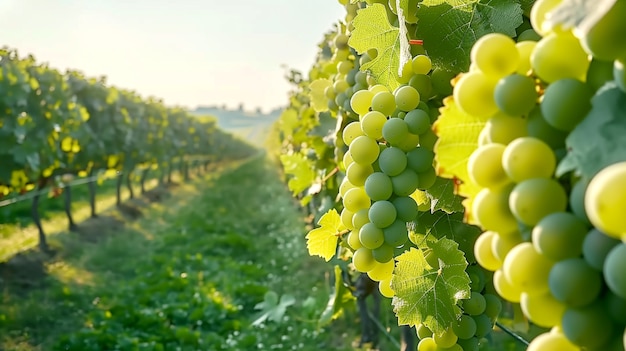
(301, 171)
(373, 31)
(340, 298)
(322, 241)
(437, 225)
(442, 196)
(271, 308)
(598, 141)
(288, 121)
(458, 137)
(319, 101)
(426, 294)
(449, 28)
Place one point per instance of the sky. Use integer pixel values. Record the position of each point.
(187, 52)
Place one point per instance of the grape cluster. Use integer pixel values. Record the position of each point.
(552, 242)
(389, 157)
(480, 312)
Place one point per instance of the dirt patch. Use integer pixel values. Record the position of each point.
(25, 270)
(131, 211)
(96, 228)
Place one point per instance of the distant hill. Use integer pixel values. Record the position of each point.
(252, 126)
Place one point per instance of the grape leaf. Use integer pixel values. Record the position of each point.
(319, 101)
(442, 196)
(598, 140)
(373, 31)
(458, 137)
(300, 170)
(437, 225)
(288, 121)
(459, 23)
(339, 299)
(271, 308)
(429, 295)
(322, 241)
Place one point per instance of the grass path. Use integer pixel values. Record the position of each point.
(187, 275)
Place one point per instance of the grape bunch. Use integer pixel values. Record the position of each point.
(553, 242)
(480, 312)
(389, 157)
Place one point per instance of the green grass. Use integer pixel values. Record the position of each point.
(186, 276)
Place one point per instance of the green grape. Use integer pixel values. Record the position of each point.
(515, 94)
(599, 73)
(392, 161)
(441, 80)
(357, 174)
(424, 86)
(483, 253)
(535, 198)
(605, 200)
(382, 214)
(614, 270)
(361, 79)
(559, 236)
(371, 236)
(475, 305)
(345, 186)
(428, 140)
(329, 92)
(525, 49)
(356, 199)
(346, 218)
(396, 234)
(474, 93)
(378, 186)
(604, 38)
(528, 157)
(406, 73)
(344, 67)
(446, 339)
(372, 124)
(420, 159)
(574, 282)
(485, 166)
(470, 344)
(596, 247)
(502, 244)
(363, 260)
(539, 128)
(528, 36)
(542, 309)
(491, 210)
(495, 55)
(340, 86)
(464, 327)
(352, 131)
(406, 208)
(364, 150)
(477, 278)
(332, 105)
(616, 306)
(347, 160)
(384, 287)
(418, 121)
(351, 76)
(493, 306)
(384, 102)
(405, 183)
(551, 341)
(423, 331)
(503, 128)
(505, 289)
(426, 179)
(361, 100)
(341, 41)
(395, 130)
(421, 64)
(409, 143)
(424, 107)
(382, 271)
(407, 98)
(378, 88)
(527, 269)
(353, 240)
(538, 15)
(483, 325)
(545, 59)
(340, 99)
(565, 103)
(587, 326)
(360, 218)
(383, 253)
(427, 344)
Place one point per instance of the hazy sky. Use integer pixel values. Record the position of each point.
(188, 52)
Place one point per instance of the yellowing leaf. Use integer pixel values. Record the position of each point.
(373, 31)
(322, 241)
(458, 137)
(319, 101)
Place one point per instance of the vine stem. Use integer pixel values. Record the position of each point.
(384, 331)
(512, 334)
(330, 174)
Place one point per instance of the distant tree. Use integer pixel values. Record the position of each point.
(240, 108)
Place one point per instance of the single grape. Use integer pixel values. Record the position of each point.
(614, 270)
(491, 210)
(371, 236)
(361, 100)
(406, 208)
(495, 54)
(427, 179)
(605, 200)
(382, 214)
(485, 166)
(420, 159)
(515, 94)
(565, 103)
(395, 130)
(392, 161)
(483, 325)
(441, 79)
(587, 326)
(538, 15)
(596, 247)
(525, 49)
(527, 269)
(372, 124)
(424, 86)
(382, 271)
(559, 235)
(346, 218)
(351, 132)
(364, 150)
(384, 102)
(396, 234)
(421, 64)
(505, 289)
(464, 327)
(363, 260)
(484, 255)
(503, 129)
(383, 253)
(356, 199)
(357, 174)
(535, 198)
(353, 240)
(405, 183)
(493, 306)
(545, 57)
(475, 305)
(474, 95)
(378, 186)
(446, 339)
(418, 121)
(542, 309)
(574, 282)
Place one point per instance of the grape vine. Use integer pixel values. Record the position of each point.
(482, 169)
